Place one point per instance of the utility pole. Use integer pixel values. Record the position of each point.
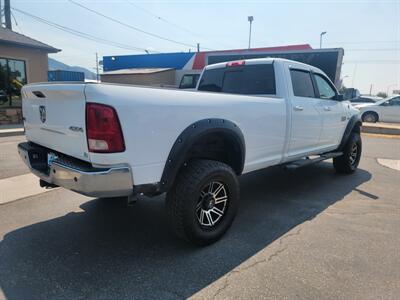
(320, 39)
(97, 67)
(198, 47)
(250, 19)
(370, 90)
(1, 15)
(7, 14)
(388, 88)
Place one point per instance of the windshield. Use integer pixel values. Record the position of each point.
(383, 100)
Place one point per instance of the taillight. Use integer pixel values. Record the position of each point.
(103, 129)
(236, 63)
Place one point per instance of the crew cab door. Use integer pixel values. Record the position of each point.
(332, 112)
(306, 122)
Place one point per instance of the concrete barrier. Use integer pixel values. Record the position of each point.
(11, 130)
(381, 128)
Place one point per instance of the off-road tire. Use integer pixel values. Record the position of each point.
(183, 200)
(348, 162)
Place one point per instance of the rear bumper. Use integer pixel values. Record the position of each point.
(78, 177)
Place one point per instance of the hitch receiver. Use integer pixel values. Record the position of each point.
(46, 185)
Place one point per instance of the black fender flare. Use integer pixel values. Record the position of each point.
(354, 125)
(178, 154)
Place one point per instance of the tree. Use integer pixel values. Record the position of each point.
(382, 94)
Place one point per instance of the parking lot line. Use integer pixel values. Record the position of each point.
(390, 163)
(18, 187)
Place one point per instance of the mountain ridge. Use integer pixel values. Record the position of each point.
(57, 65)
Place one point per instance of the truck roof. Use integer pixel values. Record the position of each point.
(266, 60)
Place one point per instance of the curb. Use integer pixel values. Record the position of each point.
(380, 129)
(11, 132)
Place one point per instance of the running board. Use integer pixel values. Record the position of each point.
(307, 161)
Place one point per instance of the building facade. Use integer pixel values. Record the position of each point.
(184, 62)
(188, 65)
(141, 76)
(22, 60)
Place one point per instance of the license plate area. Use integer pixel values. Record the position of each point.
(38, 160)
(35, 156)
(51, 157)
(41, 158)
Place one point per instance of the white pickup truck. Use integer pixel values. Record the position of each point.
(108, 140)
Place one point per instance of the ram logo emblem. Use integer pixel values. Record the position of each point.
(42, 112)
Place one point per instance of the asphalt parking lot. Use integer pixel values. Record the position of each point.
(307, 234)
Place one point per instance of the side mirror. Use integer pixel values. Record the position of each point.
(339, 97)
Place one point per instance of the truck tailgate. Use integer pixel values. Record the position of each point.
(54, 117)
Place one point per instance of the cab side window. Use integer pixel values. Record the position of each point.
(325, 89)
(242, 80)
(302, 83)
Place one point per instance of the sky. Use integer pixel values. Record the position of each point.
(369, 31)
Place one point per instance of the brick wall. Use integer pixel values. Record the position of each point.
(10, 116)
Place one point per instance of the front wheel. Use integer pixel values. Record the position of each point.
(371, 117)
(202, 203)
(348, 162)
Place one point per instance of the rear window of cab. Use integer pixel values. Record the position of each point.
(243, 79)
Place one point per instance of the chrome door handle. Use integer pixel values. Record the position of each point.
(327, 108)
(298, 108)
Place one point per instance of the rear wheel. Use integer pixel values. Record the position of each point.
(202, 203)
(371, 117)
(348, 162)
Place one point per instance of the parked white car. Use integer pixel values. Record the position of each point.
(386, 110)
(108, 140)
(364, 100)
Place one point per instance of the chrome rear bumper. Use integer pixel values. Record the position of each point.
(105, 182)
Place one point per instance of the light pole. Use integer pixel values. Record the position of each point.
(341, 80)
(320, 39)
(97, 67)
(250, 19)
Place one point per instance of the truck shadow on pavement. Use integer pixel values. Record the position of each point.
(110, 251)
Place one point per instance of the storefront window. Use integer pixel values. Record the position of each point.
(12, 78)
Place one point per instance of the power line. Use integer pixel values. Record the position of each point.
(150, 13)
(161, 18)
(130, 26)
(16, 23)
(79, 33)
